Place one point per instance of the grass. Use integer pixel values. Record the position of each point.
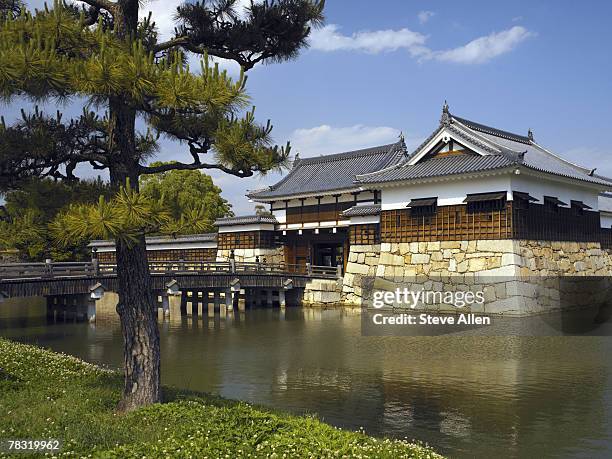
(45, 395)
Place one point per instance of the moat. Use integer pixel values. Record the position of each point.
(468, 396)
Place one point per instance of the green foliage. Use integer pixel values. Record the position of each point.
(49, 395)
(189, 194)
(163, 207)
(28, 212)
(125, 216)
(63, 51)
(262, 210)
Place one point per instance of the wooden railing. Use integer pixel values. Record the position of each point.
(51, 270)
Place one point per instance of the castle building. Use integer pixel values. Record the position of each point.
(470, 199)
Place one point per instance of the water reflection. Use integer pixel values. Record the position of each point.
(467, 396)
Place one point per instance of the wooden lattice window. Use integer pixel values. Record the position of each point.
(367, 234)
(247, 240)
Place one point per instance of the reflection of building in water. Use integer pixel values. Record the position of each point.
(471, 200)
(528, 394)
(528, 397)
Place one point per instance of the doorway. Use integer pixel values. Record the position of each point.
(329, 254)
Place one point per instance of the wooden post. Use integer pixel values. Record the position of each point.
(49, 267)
(269, 301)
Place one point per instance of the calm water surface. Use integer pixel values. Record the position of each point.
(466, 396)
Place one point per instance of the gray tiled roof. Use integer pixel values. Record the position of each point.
(504, 149)
(246, 220)
(153, 240)
(493, 131)
(362, 211)
(437, 167)
(332, 172)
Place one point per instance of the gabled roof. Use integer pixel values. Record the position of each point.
(438, 167)
(325, 174)
(499, 149)
(246, 220)
(362, 211)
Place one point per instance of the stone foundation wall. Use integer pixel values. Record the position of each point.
(322, 293)
(362, 262)
(272, 256)
(520, 276)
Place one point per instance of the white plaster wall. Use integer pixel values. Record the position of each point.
(346, 197)
(328, 224)
(252, 227)
(538, 187)
(280, 215)
(454, 192)
(606, 219)
(365, 219)
(448, 192)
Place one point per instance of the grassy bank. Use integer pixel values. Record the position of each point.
(46, 395)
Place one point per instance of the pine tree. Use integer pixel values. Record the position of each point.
(102, 52)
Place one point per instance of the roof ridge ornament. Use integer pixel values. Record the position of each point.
(530, 134)
(446, 116)
(402, 142)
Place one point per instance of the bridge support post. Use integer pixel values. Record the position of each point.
(229, 299)
(184, 304)
(172, 291)
(269, 298)
(166, 305)
(242, 301)
(212, 306)
(281, 299)
(91, 310)
(217, 300)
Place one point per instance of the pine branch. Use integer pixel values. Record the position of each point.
(102, 4)
(146, 170)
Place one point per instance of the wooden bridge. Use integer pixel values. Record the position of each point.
(52, 279)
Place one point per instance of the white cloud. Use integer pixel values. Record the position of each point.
(327, 139)
(484, 49)
(425, 16)
(477, 51)
(329, 38)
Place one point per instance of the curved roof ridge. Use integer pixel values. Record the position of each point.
(245, 219)
(583, 169)
(350, 154)
(493, 131)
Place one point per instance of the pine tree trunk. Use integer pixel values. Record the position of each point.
(138, 314)
(137, 309)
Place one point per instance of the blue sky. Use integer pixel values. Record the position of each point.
(378, 68)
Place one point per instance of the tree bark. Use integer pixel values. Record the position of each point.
(138, 314)
(136, 308)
